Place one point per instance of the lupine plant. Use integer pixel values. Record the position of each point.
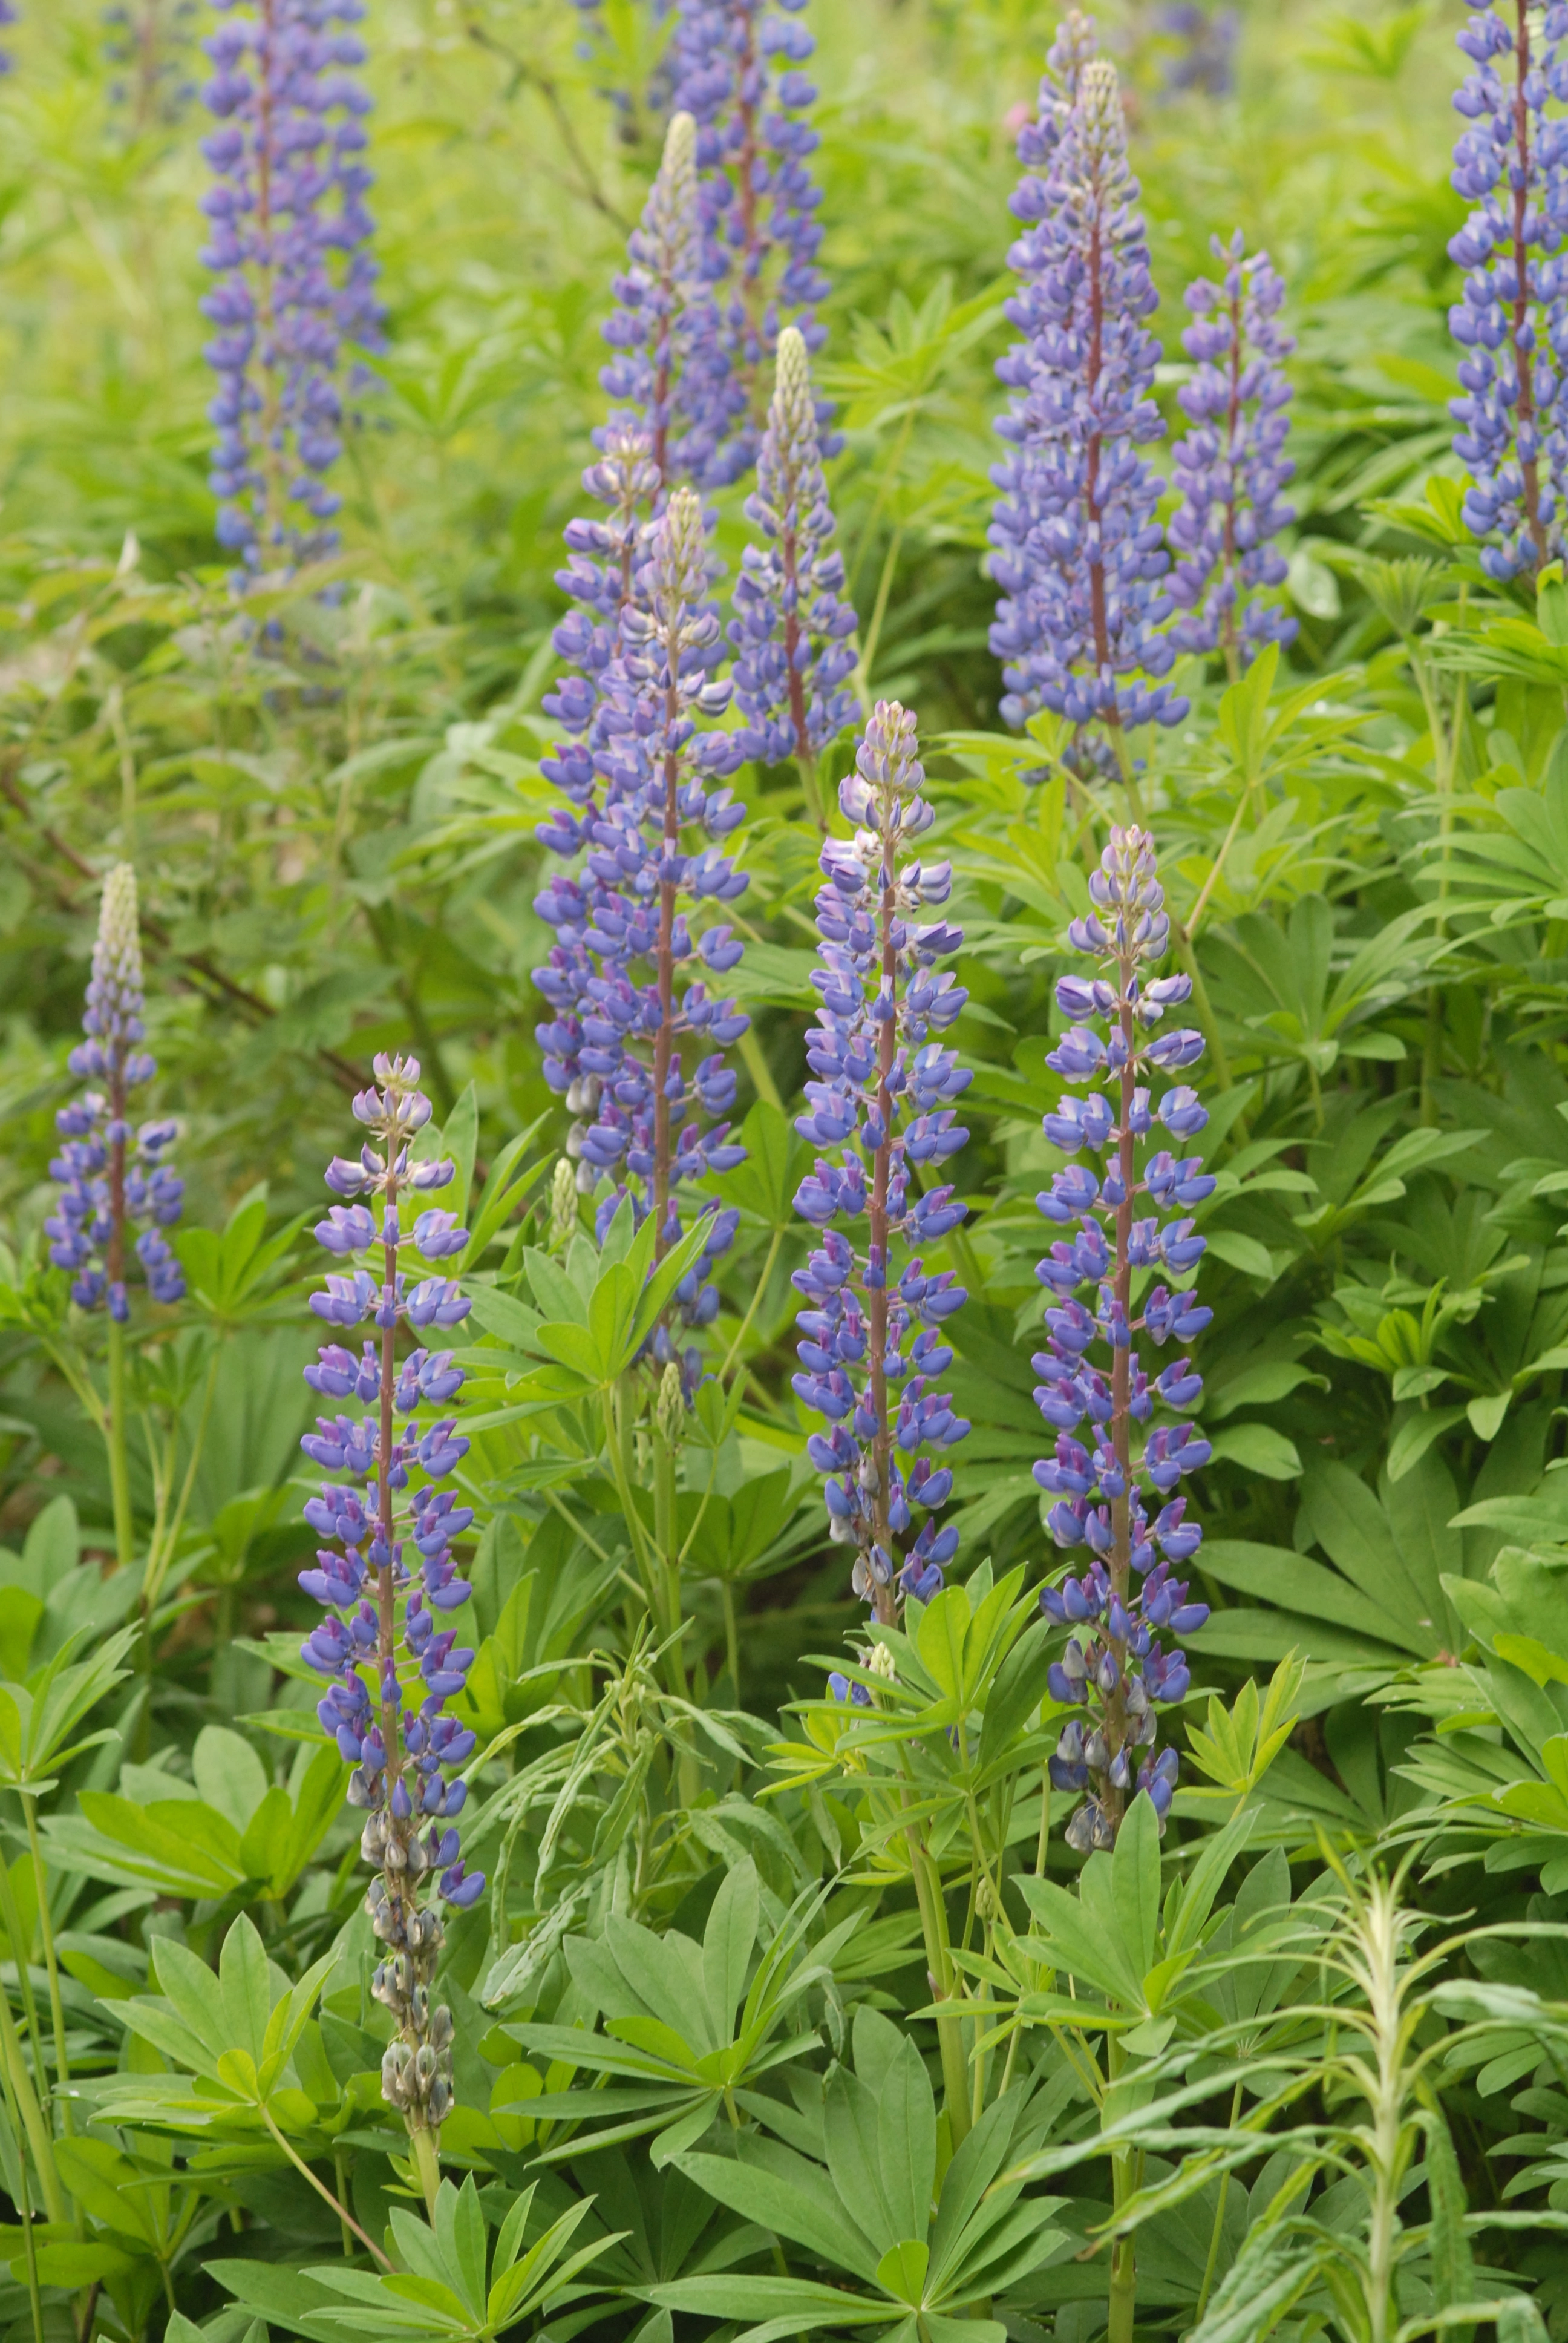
(1120, 1503)
(793, 627)
(112, 1175)
(738, 74)
(880, 1102)
(387, 1576)
(670, 375)
(1076, 546)
(969, 2017)
(1512, 316)
(288, 238)
(1231, 466)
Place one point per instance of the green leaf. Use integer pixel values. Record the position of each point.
(1452, 2263)
(901, 2272)
(1135, 1882)
(727, 1942)
(1258, 1448)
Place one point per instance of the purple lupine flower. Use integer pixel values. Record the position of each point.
(1232, 465)
(670, 373)
(287, 237)
(880, 1106)
(1511, 320)
(111, 1176)
(1204, 52)
(8, 17)
(1076, 546)
(385, 1572)
(792, 628)
(1124, 1507)
(150, 45)
(636, 1039)
(738, 72)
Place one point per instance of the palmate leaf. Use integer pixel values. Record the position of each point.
(451, 2285)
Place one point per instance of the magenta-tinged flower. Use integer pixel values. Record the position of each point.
(880, 1106)
(384, 1572)
(288, 237)
(1114, 1474)
(1231, 466)
(110, 1176)
(1076, 546)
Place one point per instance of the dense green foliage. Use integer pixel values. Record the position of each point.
(777, 2017)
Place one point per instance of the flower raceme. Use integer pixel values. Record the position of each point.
(110, 1176)
(1511, 319)
(669, 374)
(1231, 466)
(637, 1035)
(738, 66)
(287, 235)
(792, 628)
(1123, 1507)
(385, 1572)
(880, 1105)
(1076, 545)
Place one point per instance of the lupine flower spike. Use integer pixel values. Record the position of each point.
(1077, 549)
(738, 72)
(1122, 1505)
(625, 1006)
(881, 1103)
(670, 373)
(1231, 466)
(384, 1571)
(1511, 320)
(109, 1176)
(288, 237)
(792, 629)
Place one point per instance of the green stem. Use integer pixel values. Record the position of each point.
(24, 2206)
(32, 2120)
(1218, 1055)
(1123, 2300)
(950, 2028)
(731, 1637)
(51, 1965)
(427, 2165)
(119, 1454)
(322, 2190)
(761, 1072)
(19, 1950)
(1212, 2263)
(158, 1569)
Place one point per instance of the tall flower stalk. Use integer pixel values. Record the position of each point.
(792, 631)
(1076, 546)
(111, 1176)
(287, 237)
(880, 1103)
(738, 74)
(638, 1033)
(1231, 466)
(1120, 1503)
(670, 371)
(1511, 319)
(387, 1576)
